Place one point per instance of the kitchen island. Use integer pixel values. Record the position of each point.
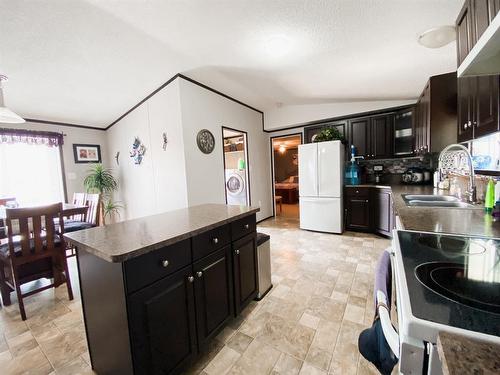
(156, 290)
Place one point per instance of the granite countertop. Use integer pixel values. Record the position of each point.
(128, 239)
(462, 355)
(466, 221)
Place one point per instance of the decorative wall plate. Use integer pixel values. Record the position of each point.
(206, 141)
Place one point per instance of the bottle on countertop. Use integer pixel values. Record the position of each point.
(489, 199)
(352, 170)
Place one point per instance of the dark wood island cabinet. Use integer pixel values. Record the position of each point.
(156, 290)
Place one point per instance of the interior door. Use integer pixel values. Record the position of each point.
(308, 170)
(330, 167)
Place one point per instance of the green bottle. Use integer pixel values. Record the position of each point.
(489, 199)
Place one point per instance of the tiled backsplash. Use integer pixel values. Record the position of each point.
(397, 166)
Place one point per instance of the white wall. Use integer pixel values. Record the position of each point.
(291, 115)
(203, 109)
(74, 173)
(158, 184)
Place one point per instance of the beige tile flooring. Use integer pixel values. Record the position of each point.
(308, 324)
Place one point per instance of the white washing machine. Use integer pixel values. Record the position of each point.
(236, 186)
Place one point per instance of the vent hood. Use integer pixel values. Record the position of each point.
(484, 58)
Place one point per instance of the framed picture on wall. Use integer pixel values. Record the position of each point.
(87, 153)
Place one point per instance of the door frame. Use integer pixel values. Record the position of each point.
(301, 134)
(247, 161)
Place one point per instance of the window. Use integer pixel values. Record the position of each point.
(30, 170)
(486, 153)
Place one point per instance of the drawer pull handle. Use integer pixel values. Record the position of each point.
(237, 252)
(164, 263)
(247, 226)
(215, 240)
(199, 274)
(190, 279)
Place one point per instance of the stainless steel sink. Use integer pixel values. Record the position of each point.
(430, 198)
(458, 204)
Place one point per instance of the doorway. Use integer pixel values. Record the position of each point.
(286, 175)
(236, 176)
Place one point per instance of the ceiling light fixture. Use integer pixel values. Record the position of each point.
(437, 37)
(6, 115)
(278, 45)
(282, 149)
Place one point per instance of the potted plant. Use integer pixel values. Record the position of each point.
(101, 180)
(329, 134)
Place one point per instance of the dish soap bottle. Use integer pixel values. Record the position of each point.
(352, 171)
(489, 199)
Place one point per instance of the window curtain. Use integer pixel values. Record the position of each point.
(31, 137)
(30, 167)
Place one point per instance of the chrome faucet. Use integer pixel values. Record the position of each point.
(471, 193)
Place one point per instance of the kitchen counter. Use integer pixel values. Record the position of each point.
(469, 221)
(129, 239)
(460, 355)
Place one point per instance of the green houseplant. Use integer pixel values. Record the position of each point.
(101, 180)
(329, 134)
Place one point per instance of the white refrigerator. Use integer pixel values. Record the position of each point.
(321, 167)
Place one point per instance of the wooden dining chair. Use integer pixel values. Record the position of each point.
(93, 201)
(79, 199)
(35, 252)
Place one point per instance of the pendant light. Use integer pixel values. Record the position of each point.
(6, 115)
(437, 37)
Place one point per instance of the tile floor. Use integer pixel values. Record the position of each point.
(308, 324)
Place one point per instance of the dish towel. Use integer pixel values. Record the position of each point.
(372, 343)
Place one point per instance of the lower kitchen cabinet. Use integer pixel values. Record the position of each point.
(154, 313)
(245, 271)
(357, 209)
(162, 324)
(213, 294)
(369, 209)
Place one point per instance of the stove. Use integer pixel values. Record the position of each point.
(444, 283)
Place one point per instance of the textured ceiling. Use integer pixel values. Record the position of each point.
(88, 62)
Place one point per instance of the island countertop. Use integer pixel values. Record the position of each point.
(131, 238)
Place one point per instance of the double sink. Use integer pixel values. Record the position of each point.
(423, 200)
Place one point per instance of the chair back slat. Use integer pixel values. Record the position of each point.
(93, 201)
(38, 239)
(79, 199)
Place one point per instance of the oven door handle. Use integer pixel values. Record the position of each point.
(390, 333)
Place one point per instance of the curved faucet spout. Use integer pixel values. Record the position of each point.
(472, 180)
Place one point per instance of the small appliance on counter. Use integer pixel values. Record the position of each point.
(378, 169)
(413, 176)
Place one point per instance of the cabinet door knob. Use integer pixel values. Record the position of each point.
(199, 274)
(237, 252)
(164, 263)
(215, 240)
(247, 226)
(190, 279)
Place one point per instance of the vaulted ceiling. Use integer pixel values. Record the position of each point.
(89, 61)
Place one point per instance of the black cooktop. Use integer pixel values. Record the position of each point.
(453, 280)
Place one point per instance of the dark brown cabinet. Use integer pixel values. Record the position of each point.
(382, 136)
(162, 324)
(311, 131)
(383, 217)
(359, 136)
(154, 312)
(436, 114)
(369, 209)
(213, 293)
(478, 97)
(357, 209)
(245, 271)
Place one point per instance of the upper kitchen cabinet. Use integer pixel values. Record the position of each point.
(359, 136)
(372, 136)
(478, 38)
(436, 114)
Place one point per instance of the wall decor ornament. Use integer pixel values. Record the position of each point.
(138, 151)
(165, 141)
(206, 141)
